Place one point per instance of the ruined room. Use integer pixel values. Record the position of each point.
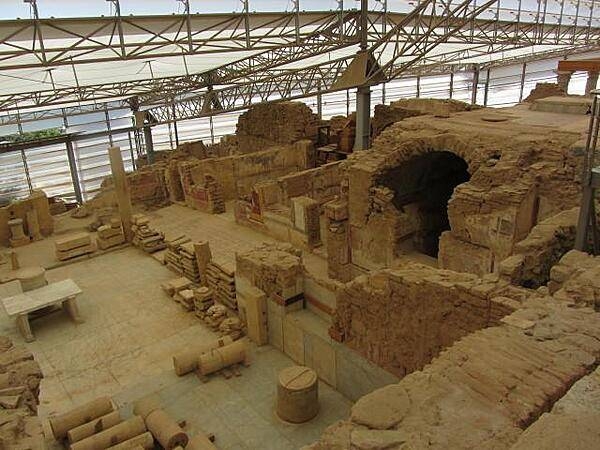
(299, 225)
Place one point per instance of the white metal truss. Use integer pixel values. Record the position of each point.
(401, 51)
(399, 44)
(331, 35)
(55, 42)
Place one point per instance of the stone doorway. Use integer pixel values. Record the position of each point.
(422, 188)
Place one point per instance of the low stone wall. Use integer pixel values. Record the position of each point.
(402, 318)
(237, 174)
(484, 390)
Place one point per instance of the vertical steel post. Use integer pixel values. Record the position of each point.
(72, 161)
(296, 4)
(149, 143)
(486, 88)
(246, 21)
(74, 171)
(26, 170)
(347, 102)
(108, 127)
(133, 164)
(319, 102)
(363, 93)
(522, 87)
(475, 84)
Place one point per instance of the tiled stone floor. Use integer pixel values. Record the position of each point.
(125, 346)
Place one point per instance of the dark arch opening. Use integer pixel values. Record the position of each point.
(422, 187)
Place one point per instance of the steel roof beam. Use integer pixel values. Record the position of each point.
(72, 41)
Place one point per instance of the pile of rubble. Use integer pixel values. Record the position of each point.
(144, 237)
(543, 90)
(20, 378)
(220, 277)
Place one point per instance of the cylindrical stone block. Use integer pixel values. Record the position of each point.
(144, 440)
(222, 357)
(95, 426)
(114, 435)
(31, 278)
(166, 431)
(187, 361)
(146, 405)
(60, 425)
(297, 394)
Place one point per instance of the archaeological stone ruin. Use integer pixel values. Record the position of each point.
(373, 227)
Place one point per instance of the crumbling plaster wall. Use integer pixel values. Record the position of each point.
(519, 176)
(402, 318)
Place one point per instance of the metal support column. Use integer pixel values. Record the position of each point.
(212, 129)
(418, 86)
(383, 93)
(74, 171)
(363, 118)
(107, 118)
(149, 143)
(486, 88)
(363, 93)
(451, 86)
(246, 21)
(319, 103)
(347, 102)
(475, 84)
(133, 164)
(26, 170)
(522, 87)
(296, 4)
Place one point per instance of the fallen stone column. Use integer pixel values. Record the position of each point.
(114, 435)
(60, 425)
(94, 426)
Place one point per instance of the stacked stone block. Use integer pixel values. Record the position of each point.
(110, 235)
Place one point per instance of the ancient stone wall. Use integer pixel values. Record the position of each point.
(321, 184)
(402, 318)
(38, 202)
(266, 125)
(385, 115)
(519, 176)
(484, 390)
(238, 174)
